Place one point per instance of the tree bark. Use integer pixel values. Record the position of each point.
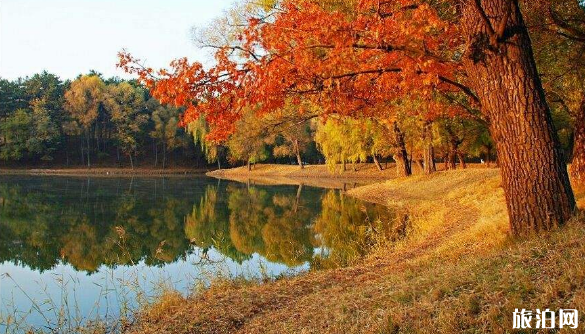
(454, 143)
(249, 166)
(420, 164)
(445, 161)
(377, 162)
(502, 72)
(401, 156)
(578, 163)
(452, 157)
(155, 149)
(164, 162)
(88, 151)
(81, 147)
(462, 162)
(429, 166)
(298, 154)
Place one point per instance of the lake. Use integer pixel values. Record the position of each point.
(77, 249)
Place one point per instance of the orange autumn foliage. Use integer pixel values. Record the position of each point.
(354, 65)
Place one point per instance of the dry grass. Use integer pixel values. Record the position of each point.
(457, 272)
(314, 175)
(362, 171)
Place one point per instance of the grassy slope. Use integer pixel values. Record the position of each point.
(457, 272)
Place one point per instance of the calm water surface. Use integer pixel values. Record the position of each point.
(87, 248)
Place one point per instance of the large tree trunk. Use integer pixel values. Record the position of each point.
(401, 156)
(429, 166)
(503, 74)
(578, 163)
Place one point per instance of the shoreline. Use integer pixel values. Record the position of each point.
(315, 175)
(268, 174)
(312, 176)
(363, 171)
(104, 172)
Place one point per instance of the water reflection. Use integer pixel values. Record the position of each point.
(104, 226)
(123, 222)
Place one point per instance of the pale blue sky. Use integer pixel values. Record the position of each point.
(69, 37)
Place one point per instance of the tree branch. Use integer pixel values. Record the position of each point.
(502, 25)
(484, 18)
(462, 87)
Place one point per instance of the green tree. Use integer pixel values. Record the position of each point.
(199, 129)
(249, 142)
(49, 89)
(343, 140)
(125, 105)
(16, 131)
(293, 131)
(12, 97)
(167, 131)
(45, 133)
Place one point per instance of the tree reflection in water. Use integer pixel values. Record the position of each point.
(90, 223)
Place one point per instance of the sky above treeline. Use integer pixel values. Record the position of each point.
(70, 37)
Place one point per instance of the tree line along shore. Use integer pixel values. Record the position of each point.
(96, 122)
